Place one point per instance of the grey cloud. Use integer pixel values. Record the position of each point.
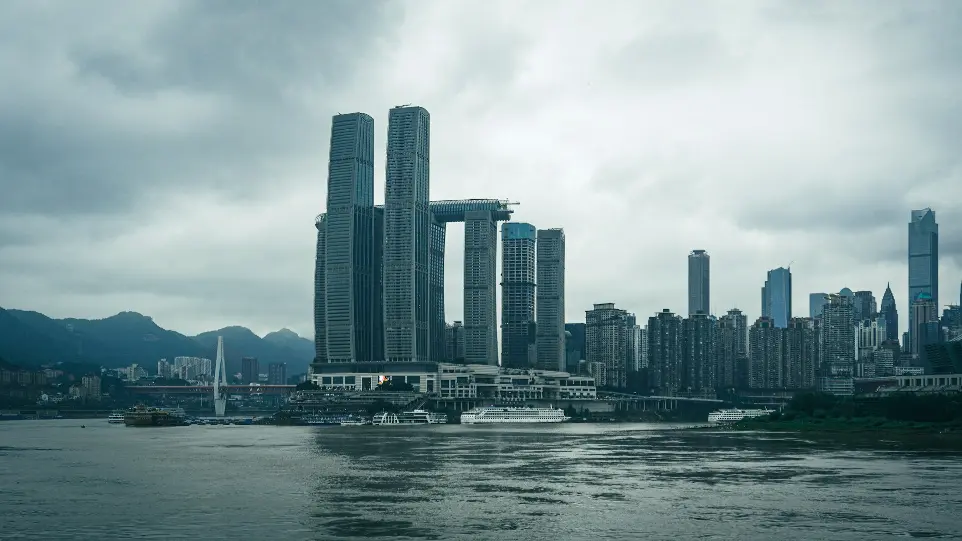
(224, 69)
(672, 58)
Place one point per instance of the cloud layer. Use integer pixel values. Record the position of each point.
(170, 157)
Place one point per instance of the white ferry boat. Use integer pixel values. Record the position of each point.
(352, 421)
(116, 418)
(492, 414)
(414, 417)
(735, 415)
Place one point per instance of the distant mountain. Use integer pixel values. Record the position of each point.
(31, 338)
(283, 346)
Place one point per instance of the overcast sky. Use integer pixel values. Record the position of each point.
(169, 157)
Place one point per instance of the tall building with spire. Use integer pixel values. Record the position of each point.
(699, 282)
(890, 313)
(407, 222)
(923, 259)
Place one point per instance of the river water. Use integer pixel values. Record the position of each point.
(560, 482)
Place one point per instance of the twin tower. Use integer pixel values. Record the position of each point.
(379, 274)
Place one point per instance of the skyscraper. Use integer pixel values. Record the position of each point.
(518, 241)
(699, 282)
(838, 346)
(924, 329)
(732, 347)
(890, 313)
(606, 342)
(250, 370)
(777, 297)
(923, 258)
(350, 239)
(480, 288)
(550, 306)
(277, 374)
(407, 219)
(765, 353)
(865, 305)
(320, 291)
(816, 301)
(665, 350)
(698, 359)
(802, 344)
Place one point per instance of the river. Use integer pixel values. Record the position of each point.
(558, 482)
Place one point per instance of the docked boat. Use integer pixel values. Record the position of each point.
(493, 414)
(116, 418)
(734, 415)
(354, 422)
(413, 417)
(146, 416)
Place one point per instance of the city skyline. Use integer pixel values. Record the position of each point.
(199, 181)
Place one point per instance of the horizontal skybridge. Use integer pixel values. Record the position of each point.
(454, 210)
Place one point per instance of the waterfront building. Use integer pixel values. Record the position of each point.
(550, 299)
(923, 261)
(349, 270)
(838, 354)
(518, 279)
(320, 291)
(665, 350)
(407, 219)
(732, 347)
(250, 370)
(277, 374)
(698, 375)
(802, 352)
(765, 351)
(606, 342)
(480, 288)
(777, 297)
(890, 313)
(699, 282)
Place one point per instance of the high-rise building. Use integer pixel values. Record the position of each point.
(890, 313)
(438, 323)
(777, 297)
(480, 288)
(802, 344)
(870, 334)
(665, 351)
(864, 306)
(574, 344)
(838, 346)
(407, 221)
(923, 259)
(925, 328)
(732, 347)
(350, 240)
(250, 370)
(606, 342)
(633, 343)
(765, 353)
(277, 374)
(550, 305)
(517, 292)
(320, 291)
(698, 358)
(699, 282)
(816, 301)
(454, 343)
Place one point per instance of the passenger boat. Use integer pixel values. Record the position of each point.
(493, 415)
(116, 418)
(734, 415)
(145, 416)
(413, 417)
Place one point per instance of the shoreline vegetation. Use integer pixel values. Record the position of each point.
(900, 416)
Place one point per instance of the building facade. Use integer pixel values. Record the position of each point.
(802, 347)
(816, 301)
(699, 282)
(550, 295)
(777, 297)
(890, 313)
(606, 342)
(765, 352)
(250, 370)
(731, 348)
(518, 282)
(320, 291)
(838, 350)
(698, 376)
(665, 351)
(277, 374)
(407, 220)
(349, 255)
(864, 306)
(480, 288)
